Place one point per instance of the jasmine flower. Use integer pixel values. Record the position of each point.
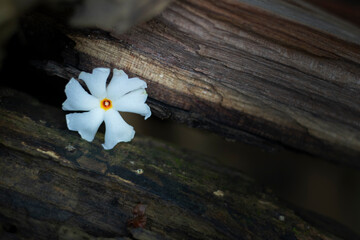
(104, 104)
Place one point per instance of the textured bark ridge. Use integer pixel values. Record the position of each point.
(279, 75)
(54, 185)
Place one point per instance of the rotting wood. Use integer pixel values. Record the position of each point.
(269, 75)
(49, 190)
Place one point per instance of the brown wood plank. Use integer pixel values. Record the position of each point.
(281, 75)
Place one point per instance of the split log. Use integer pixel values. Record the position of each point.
(279, 74)
(54, 185)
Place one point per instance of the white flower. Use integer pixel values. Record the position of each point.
(122, 94)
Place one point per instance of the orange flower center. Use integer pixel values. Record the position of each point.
(106, 104)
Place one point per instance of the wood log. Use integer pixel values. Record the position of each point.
(54, 185)
(279, 74)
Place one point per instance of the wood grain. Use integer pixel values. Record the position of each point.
(54, 185)
(283, 74)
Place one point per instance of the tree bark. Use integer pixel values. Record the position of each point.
(275, 75)
(54, 185)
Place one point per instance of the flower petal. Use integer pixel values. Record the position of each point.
(86, 123)
(120, 84)
(96, 81)
(133, 102)
(77, 98)
(117, 130)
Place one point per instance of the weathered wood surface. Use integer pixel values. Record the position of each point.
(54, 185)
(271, 74)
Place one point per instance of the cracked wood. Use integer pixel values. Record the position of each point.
(244, 70)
